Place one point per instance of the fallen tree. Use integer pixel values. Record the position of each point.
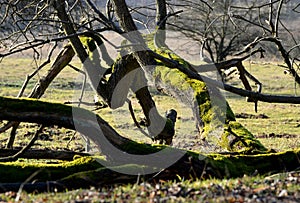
(90, 171)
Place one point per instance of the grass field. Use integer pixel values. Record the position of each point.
(279, 131)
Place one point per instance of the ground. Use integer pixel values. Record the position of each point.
(278, 129)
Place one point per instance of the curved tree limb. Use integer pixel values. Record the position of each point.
(134, 119)
(74, 118)
(245, 93)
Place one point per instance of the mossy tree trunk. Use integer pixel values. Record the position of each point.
(87, 171)
(213, 116)
(84, 172)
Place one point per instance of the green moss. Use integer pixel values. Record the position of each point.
(33, 105)
(244, 139)
(101, 175)
(239, 165)
(19, 171)
(90, 44)
(132, 147)
(86, 170)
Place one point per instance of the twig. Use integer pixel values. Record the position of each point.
(83, 85)
(295, 8)
(104, 19)
(277, 17)
(87, 141)
(161, 23)
(18, 154)
(134, 119)
(252, 7)
(6, 126)
(25, 182)
(42, 42)
(251, 22)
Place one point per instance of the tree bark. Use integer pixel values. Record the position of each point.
(161, 14)
(62, 60)
(74, 118)
(161, 19)
(245, 93)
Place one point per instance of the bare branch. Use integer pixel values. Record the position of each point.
(29, 77)
(296, 7)
(134, 119)
(251, 22)
(160, 33)
(292, 48)
(6, 127)
(277, 17)
(245, 93)
(258, 6)
(104, 19)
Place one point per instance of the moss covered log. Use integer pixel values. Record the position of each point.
(85, 172)
(19, 171)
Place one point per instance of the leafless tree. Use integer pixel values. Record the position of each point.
(275, 30)
(224, 28)
(210, 24)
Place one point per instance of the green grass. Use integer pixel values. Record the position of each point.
(283, 119)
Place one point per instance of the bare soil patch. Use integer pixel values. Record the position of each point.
(273, 135)
(251, 116)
